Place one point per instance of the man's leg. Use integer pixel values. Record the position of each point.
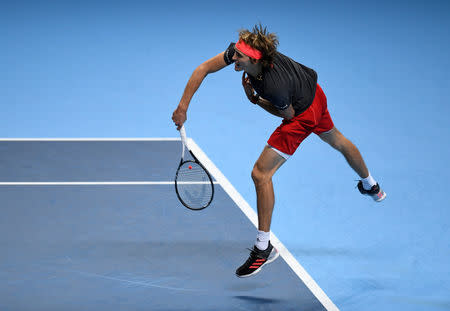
(265, 167)
(267, 164)
(367, 185)
(339, 142)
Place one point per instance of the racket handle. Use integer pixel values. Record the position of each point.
(183, 134)
(183, 141)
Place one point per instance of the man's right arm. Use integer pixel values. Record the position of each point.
(211, 65)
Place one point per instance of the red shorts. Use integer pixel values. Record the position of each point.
(316, 119)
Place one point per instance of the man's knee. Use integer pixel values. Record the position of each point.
(259, 176)
(339, 144)
(335, 139)
(266, 165)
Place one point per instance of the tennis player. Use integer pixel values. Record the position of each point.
(289, 90)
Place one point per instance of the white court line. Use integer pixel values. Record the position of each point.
(90, 139)
(251, 214)
(98, 183)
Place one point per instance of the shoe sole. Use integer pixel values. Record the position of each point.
(269, 260)
(379, 198)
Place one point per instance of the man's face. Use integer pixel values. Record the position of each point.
(241, 61)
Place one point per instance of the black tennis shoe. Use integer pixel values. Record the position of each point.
(257, 260)
(375, 192)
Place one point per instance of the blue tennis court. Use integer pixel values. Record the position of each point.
(90, 225)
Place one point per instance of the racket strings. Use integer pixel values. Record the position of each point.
(192, 173)
(194, 185)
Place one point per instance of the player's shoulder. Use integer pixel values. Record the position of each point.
(282, 58)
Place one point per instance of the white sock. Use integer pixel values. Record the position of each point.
(368, 182)
(262, 240)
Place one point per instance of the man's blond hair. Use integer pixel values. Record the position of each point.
(259, 38)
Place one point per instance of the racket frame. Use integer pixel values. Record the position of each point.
(196, 161)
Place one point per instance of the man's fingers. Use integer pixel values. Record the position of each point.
(179, 117)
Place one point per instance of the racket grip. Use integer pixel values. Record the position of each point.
(183, 135)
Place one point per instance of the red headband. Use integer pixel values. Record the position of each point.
(248, 50)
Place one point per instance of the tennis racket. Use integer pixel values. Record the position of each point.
(193, 183)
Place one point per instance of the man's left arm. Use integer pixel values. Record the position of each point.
(287, 113)
(267, 106)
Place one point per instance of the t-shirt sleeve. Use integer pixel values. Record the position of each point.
(228, 56)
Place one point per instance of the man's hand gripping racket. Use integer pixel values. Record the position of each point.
(193, 183)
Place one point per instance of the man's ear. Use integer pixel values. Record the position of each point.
(254, 61)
